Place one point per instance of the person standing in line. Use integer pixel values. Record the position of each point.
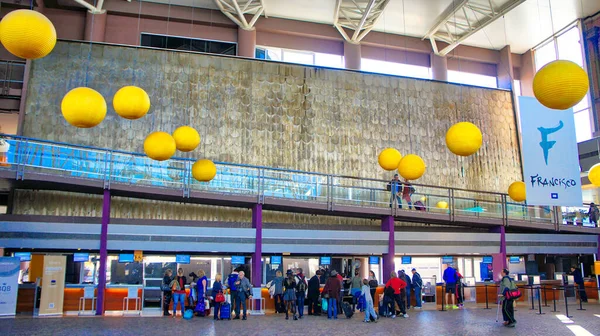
(593, 213)
(508, 308)
(397, 285)
(369, 306)
(244, 292)
(167, 291)
(578, 278)
(459, 289)
(450, 279)
(331, 292)
(417, 284)
(277, 282)
(301, 286)
(395, 188)
(402, 275)
(289, 295)
(216, 289)
(355, 288)
(201, 286)
(231, 280)
(314, 285)
(178, 286)
(373, 284)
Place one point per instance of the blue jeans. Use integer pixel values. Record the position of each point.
(332, 305)
(418, 297)
(300, 303)
(178, 298)
(369, 311)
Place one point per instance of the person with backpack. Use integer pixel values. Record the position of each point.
(397, 284)
(407, 191)
(450, 279)
(593, 213)
(167, 291)
(417, 284)
(301, 286)
(217, 296)
(277, 289)
(508, 308)
(178, 287)
(231, 280)
(373, 283)
(289, 295)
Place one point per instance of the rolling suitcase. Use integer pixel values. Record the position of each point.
(347, 308)
(225, 311)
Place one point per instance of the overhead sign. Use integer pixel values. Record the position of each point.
(276, 260)
(182, 258)
(23, 256)
(447, 260)
(514, 260)
(373, 260)
(138, 256)
(325, 261)
(550, 155)
(238, 260)
(81, 257)
(406, 260)
(126, 258)
(488, 260)
(9, 285)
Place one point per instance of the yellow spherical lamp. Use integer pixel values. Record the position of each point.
(594, 175)
(83, 107)
(204, 170)
(159, 146)
(131, 102)
(464, 139)
(27, 34)
(186, 138)
(560, 85)
(389, 159)
(442, 205)
(411, 167)
(516, 191)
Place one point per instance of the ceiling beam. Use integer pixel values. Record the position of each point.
(360, 16)
(236, 11)
(463, 19)
(91, 8)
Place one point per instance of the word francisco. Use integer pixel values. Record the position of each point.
(545, 144)
(539, 181)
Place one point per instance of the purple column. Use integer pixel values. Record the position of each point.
(257, 255)
(499, 262)
(387, 224)
(103, 239)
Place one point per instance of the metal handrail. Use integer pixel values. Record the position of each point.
(108, 165)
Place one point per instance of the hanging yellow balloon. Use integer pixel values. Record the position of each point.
(83, 107)
(159, 146)
(516, 191)
(131, 102)
(411, 167)
(594, 175)
(389, 159)
(442, 205)
(560, 85)
(27, 34)
(464, 139)
(204, 170)
(186, 138)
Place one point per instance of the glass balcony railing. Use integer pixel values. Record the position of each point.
(26, 155)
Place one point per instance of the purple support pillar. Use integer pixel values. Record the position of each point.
(257, 255)
(499, 262)
(103, 252)
(387, 224)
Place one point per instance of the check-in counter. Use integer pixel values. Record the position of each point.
(73, 295)
(114, 295)
(591, 289)
(26, 297)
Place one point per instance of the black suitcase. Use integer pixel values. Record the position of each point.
(347, 308)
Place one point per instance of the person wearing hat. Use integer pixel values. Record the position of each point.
(593, 213)
(417, 283)
(289, 295)
(331, 292)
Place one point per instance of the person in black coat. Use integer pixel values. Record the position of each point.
(314, 284)
(578, 278)
(167, 292)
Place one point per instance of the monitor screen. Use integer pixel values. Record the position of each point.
(24, 256)
(81, 257)
(238, 260)
(325, 261)
(276, 260)
(515, 260)
(125, 258)
(447, 260)
(406, 260)
(182, 258)
(488, 260)
(373, 260)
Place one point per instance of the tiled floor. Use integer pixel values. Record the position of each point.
(474, 321)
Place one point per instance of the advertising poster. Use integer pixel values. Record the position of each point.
(9, 285)
(550, 155)
(53, 285)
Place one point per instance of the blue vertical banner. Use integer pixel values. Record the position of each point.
(550, 156)
(9, 285)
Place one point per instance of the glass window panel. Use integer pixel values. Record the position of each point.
(569, 46)
(545, 55)
(125, 273)
(583, 125)
(298, 57)
(329, 60)
(274, 54)
(392, 68)
(517, 87)
(583, 104)
(472, 79)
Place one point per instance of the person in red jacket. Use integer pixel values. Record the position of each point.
(397, 284)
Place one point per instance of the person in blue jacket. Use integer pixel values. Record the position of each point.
(231, 279)
(402, 275)
(578, 278)
(216, 289)
(450, 280)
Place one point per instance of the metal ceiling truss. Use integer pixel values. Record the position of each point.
(460, 21)
(93, 9)
(360, 16)
(237, 9)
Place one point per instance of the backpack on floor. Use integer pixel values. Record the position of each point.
(188, 314)
(419, 206)
(225, 311)
(200, 308)
(347, 308)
